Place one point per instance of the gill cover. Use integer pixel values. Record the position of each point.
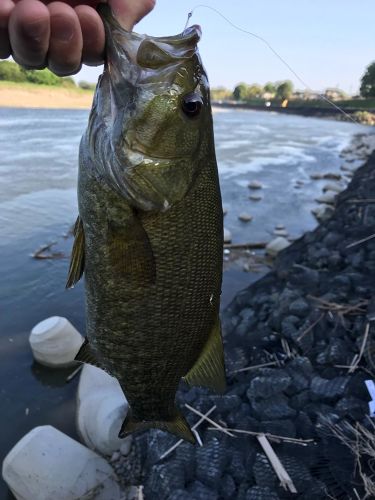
(140, 139)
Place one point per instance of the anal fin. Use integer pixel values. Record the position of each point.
(87, 355)
(77, 260)
(209, 369)
(177, 426)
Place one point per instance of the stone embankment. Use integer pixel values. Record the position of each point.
(299, 346)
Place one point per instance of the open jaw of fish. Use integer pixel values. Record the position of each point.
(149, 236)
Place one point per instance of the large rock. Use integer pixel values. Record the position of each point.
(55, 342)
(329, 198)
(48, 465)
(323, 212)
(275, 246)
(227, 236)
(101, 410)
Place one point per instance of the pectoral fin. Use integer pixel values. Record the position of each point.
(131, 253)
(209, 369)
(77, 260)
(177, 426)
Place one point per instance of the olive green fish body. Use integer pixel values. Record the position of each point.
(150, 234)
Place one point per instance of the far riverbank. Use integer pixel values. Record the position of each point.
(23, 95)
(359, 114)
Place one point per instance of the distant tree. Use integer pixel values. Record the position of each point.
(42, 77)
(254, 91)
(284, 90)
(221, 93)
(86, 85)
(11, 72)
(68, 82)
(270, 88)
(240, 92)
(367, 88)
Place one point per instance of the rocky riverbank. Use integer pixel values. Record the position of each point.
(299, 346)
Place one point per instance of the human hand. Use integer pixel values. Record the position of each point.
(61, 35)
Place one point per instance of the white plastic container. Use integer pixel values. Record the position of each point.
(101, 410)
(48, 465)
(55, 342)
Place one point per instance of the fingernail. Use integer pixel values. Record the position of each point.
(62, 31)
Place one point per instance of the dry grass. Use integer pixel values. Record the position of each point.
(361, 442)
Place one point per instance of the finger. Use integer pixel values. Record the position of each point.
(65, 49)
(6, 8)
(93, 35)
(29, 31)
(130, 12)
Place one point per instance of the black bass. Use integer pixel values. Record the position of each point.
(149, 236)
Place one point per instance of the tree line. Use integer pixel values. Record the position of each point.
(285, 90)
(12, 72)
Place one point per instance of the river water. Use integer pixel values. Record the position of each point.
(38, 170)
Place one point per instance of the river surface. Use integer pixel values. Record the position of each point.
(38, 170)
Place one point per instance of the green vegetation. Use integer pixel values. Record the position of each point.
(284, 90)
(86, 85)
(12, 72)
(221, 94)
(367, 88)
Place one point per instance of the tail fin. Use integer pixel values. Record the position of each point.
(177, 426)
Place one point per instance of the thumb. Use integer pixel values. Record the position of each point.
(130, 12)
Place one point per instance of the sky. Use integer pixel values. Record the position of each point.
(328, 43)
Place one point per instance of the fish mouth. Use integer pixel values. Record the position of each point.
(180, 46)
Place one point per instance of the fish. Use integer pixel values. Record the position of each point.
(149, 235)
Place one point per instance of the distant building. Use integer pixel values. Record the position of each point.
(335, 94)
(306, 95)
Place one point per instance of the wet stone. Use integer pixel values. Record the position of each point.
(338, 352)
(185, 459)
(304, 426)
(313, 410)
(302, 478)
(211, 462)
(236, 467)
(261, 493)
(266, 387)
(227, 487)
(180, 495)
(352, 407)
(163, 480)
(199, 491)
(225, 403)
(263, 472)
(299, 308)
(300, 400)
(327, 390)
(235, 359)
(284, 428)
(273, 408)
(302, 365)
(255, 185)
(299, 382)
(244, 217)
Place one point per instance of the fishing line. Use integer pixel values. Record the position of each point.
(269, 46)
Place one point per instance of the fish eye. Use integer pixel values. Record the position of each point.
(192, 105)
